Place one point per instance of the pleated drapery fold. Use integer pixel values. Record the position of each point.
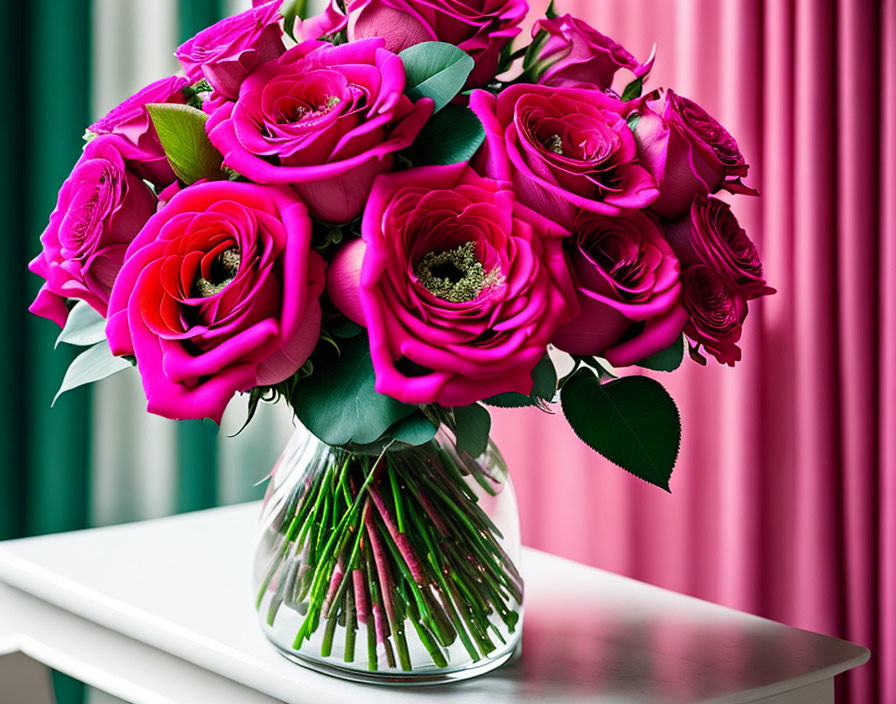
(784, 499)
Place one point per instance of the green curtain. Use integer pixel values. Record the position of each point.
(44, 452)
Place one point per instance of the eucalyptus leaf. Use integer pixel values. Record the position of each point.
(450, 136)
(435, 70)
(416, 429)
(632, 421)
(91, 365)
(83, 327)
(181, 131)
(338, 402)
(473, 424)
(666, 360)
(633, 89)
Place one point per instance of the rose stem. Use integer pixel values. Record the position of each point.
(326, 646)
(400, 539)
(350, 627)
(385, 580)
(396, 498)
(438, 657)
(423, 531)
(382, 635)
(352, 560)
(364, 616)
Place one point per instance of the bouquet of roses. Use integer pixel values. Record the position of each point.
(386, 215)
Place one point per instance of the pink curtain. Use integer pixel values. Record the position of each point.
(784, 499)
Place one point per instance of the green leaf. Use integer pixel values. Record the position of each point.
(451, 136)
(181, 130)
(338, 402)
(91, 365)
(667, 360)
(633, 422)
(551, 12)
(344, 328)
(633, 89)
(416, 429)
(544, 386)
(435, 70)
(83, 327)
(473, 424)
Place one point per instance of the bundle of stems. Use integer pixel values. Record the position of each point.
(393, 543)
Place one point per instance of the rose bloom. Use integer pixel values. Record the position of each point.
(324, 119)
(480, 27)
(218, 294)
(710, 234)
(688, 152)
(101, 208)
(716, 315)
(627, 278)
(228, 51)
(138, 142)
(574, 54)
(564, 149)
(461, 287)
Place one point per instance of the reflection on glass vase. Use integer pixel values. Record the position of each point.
(397, 566)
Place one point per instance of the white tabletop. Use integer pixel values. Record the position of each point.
(90, 602)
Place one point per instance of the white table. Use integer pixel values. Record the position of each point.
(161, 611)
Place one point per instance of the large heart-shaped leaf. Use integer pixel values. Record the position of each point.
(338, 402)
(91, 365)
(631, 421)
(435, 70)
(181, 130)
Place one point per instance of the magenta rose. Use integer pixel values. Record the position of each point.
(716, 315)
(101, 208)
(480, 27)
(563, 149)
(228, 51)
(627, 279)
(324, 119)
(710, 234)
(688, 152)
(574, 54)
(218, 294)
(461, 287)
(138, 142)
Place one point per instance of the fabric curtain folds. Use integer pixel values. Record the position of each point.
(784, 500)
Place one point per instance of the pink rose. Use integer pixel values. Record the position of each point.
(564, 149)
(218, 294)
(710, 234)
(228, 51)
(324, 119)
(574, 54)
(461, 287)
(627, 279)
(138, 142)
(716, 315)
(101, 208)
(688, 152)
(480, 27)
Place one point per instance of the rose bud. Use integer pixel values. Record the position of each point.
(218, 294)
(101, 208)
(480, 27)
(716, 315)
(137, 139)
(688, 152)
(627, 279)
(710, 234)
(574, 54)
(462, 287)
(563, 149)
(228, 51)
(323, 119)
(344, 280)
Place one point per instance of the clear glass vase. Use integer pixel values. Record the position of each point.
(397, 567)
